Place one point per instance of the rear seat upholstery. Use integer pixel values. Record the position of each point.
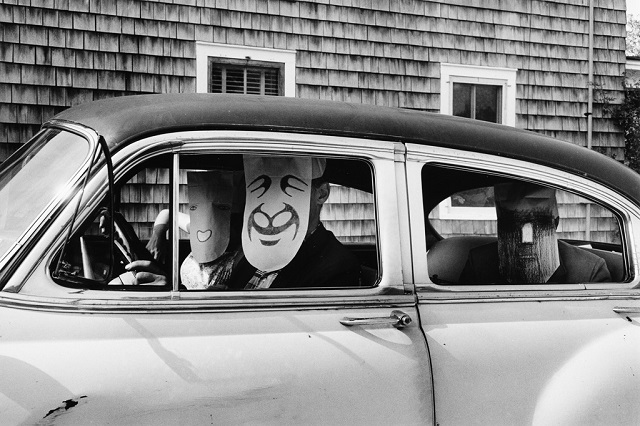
(447, 257)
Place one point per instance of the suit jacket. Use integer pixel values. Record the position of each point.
(576, 266)
(321, 261)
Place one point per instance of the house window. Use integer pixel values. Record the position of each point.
(244, 77)
(222, 68)
(477, 101)
(481, 93)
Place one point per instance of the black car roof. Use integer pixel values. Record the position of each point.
(125, 119)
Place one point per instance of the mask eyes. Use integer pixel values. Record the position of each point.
(285, 184)
(265, 183)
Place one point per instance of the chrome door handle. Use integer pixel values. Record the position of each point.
(626, 310)
(397, 319)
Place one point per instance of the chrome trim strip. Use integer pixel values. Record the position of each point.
(508, 297)
(175, 230)
(194, 141)
(167, 305)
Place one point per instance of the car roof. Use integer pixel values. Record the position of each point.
(122, 120)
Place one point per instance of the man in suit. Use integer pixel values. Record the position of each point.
(527, 250)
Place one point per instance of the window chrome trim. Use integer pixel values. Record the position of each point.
(626, 211)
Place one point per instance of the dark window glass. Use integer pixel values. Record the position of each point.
(478, 101)
(487, 101)
(462, 100)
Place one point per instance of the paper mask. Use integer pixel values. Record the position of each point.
(527, 243)
(210, 196)
(276, 214)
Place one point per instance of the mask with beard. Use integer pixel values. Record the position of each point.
(527, 243)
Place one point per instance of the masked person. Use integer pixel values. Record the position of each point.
(527, 250)
(208, 224)
(283, 241)
(284, 244)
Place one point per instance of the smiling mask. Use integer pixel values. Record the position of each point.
(276, 214)
(210, 196)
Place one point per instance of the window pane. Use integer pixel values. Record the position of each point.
(559, 229)
(462, 100)
(488, 103)
(215, 81)
(253, 82)
(242, 76)
(271, 83)
(217, 250)
(235, 80)
(34, 178)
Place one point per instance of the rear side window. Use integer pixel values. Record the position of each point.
(485, 229)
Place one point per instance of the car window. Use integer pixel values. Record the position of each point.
(245, 222)
(34, 177)
(516, 232)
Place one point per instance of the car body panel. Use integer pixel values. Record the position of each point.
(273, 367)
(569, 362)
(271, 357)
(558, 353)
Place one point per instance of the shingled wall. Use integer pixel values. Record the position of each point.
(58, 53)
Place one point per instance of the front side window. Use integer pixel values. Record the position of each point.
(245, 222)
(538, 234)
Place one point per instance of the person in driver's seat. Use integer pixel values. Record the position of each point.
(284, 244)
(527, 250)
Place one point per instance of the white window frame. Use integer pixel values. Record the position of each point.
(206, 50)
(471, 74)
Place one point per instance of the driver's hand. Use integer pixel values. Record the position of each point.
(147, 273)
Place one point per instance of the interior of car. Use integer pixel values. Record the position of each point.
(453, 233)
(144, 192)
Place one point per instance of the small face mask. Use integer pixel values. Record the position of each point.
(210, 196)
(276, 214)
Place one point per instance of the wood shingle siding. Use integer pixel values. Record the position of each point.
(383, 52)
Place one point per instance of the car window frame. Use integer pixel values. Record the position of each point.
(381, 155)
(626, 212)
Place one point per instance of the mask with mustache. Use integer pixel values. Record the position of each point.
(276, 215)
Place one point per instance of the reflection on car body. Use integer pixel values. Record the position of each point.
(261, 260)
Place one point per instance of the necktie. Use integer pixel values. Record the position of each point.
(261, 279)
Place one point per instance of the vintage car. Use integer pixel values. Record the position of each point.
(100, 323)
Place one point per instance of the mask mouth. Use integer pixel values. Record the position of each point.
(269, 230)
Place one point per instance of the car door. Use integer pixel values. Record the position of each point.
(524, 354)
(73, 353)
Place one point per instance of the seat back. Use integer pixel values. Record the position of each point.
(446, 258)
